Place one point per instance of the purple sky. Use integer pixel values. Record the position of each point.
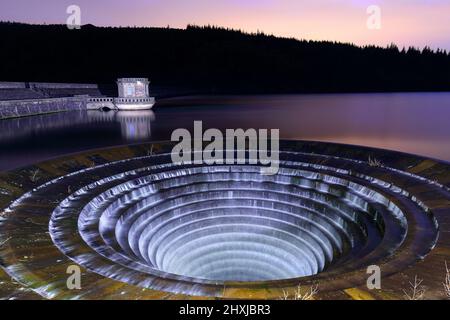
(404, 22)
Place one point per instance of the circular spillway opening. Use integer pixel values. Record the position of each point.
(228, 231)
(234, 224)
(230, 241)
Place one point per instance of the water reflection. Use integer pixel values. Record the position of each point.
(134, 125)
(415, 123)
(32, 139)
(410, 122)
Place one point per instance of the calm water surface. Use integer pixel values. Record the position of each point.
(416, 123)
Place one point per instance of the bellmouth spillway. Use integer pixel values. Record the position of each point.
(142, 227)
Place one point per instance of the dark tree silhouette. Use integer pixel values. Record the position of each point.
(215, 60)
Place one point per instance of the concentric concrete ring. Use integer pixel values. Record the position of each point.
(141, 226)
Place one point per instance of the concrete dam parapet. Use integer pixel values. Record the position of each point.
(23, 108)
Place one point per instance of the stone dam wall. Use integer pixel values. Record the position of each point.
(21, 99)
(38, 90)
(23, 108)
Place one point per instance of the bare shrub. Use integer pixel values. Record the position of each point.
(373, 162)
(2, 243)
(447, 281)
(299, 294)
(35, 175)
(416, 290)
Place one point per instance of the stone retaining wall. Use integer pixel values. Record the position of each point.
(23, 108)
(42, 90)
(47, 85)
(13, 85)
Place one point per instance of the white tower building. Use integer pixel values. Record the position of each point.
(134, 94)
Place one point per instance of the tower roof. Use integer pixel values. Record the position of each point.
(132, 80)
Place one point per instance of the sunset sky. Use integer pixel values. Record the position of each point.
(404, 22)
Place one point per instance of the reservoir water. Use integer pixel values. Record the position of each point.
(416, 123)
